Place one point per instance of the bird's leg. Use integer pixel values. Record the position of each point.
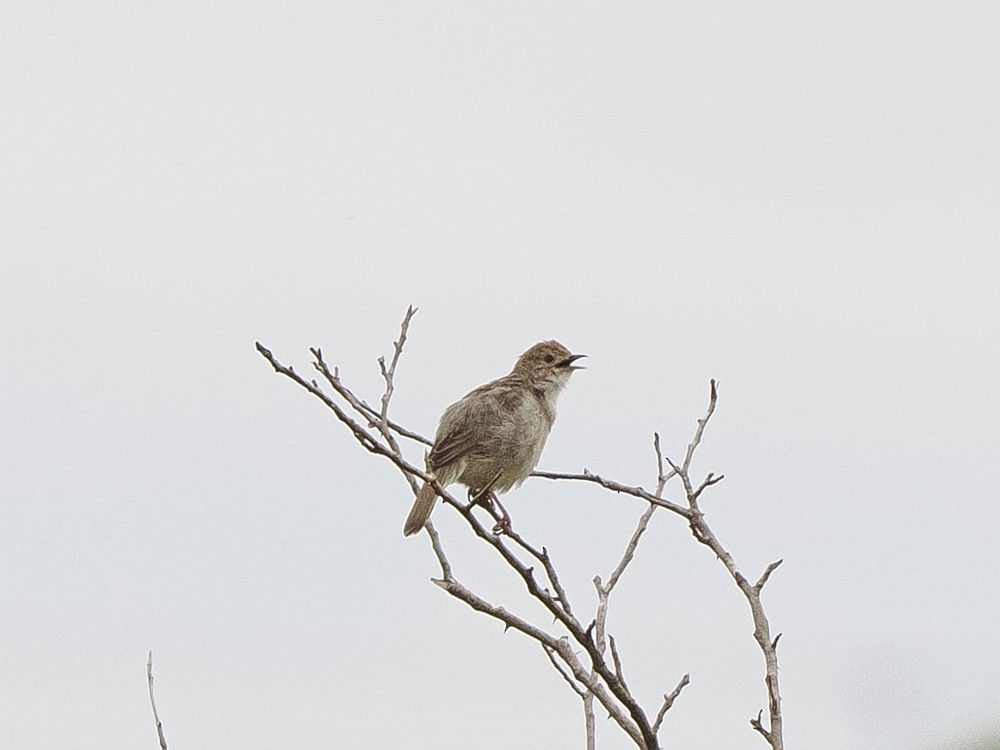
(488, 499)
(503, 524)
(476, 497)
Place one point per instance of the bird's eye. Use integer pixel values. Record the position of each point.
(548, 359)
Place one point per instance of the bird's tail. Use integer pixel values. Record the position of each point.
(420, 511)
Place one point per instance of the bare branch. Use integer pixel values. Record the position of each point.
(762, 630)
(668, 701)
(759, 727)
(703, 534)
(439, 551)
(766, 574)
(609, 484)
(388, 373)
(630, 549)
(708, 482)
(661, 478)
(558, 646)
(579, 634)
(600, 680)
(509, 619)
(365, 438)
(333, 378)
(617, 659)
(702, 423)
(569, 666)
(545, 559)
(589, 725)
(564, 672)
(152, 703)
(397, 428)
(599, 624)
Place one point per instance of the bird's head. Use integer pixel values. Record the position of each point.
(547, 365)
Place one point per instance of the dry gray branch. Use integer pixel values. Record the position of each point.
(566, 640)
(668, 701)
(152, 703)
(398, 428)
(566, 674)
(550, 571)
(589, 725)
(600, 669)
(553, 646)
(629, 553)
(762, 631)
(388, 375)
(614, 486)
(368, 441)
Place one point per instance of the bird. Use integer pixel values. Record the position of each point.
(491, 439)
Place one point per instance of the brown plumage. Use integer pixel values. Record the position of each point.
(492, 438)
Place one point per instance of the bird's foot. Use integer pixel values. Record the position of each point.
(491, 503)
(503, 523)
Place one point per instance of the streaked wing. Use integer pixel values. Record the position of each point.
(465, 421)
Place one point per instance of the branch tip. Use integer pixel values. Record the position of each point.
(767, 574)
(152, 703)
(668, 701)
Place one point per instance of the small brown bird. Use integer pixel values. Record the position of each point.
(492, 438)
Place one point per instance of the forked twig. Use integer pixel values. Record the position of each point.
(668, 701)
(703, 533)
(388, 374)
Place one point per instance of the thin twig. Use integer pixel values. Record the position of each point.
(708, 481)
(578, 633)
(633, 543)
(662, 478)
(152, 703)
(616, 658)
(367, 440)
(439, 551)
(759, 727)
(668, 701)
(559, 646)
(388, 374)
(762, 632)
(550, 571)
(604, 590)
(766, 574)
(614, 486)
(564, 672)
(333, 378)
(398, 428)
(556, 646)
(702, 423)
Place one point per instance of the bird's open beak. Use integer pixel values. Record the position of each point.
(573, 358)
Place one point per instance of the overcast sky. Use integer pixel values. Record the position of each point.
(798, 199)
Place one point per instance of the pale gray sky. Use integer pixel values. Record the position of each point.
(798, 199)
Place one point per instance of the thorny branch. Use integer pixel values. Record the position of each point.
(566, 642)
(762, 629)
(557, 649)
